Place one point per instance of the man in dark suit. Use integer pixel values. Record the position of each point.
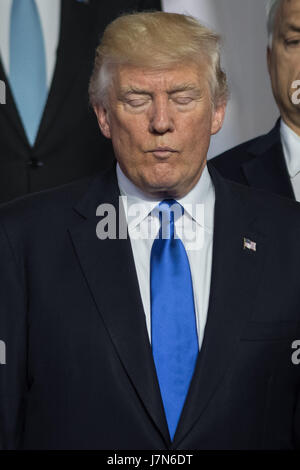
(272, 161)
(120, 341)
(57, 154)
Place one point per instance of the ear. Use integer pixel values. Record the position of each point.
(218, 118)
(103, 121)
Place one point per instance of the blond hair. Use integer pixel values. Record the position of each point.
(156, 40)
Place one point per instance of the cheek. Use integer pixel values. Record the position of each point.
(293, 70)
(128, 140)
(198, 132)
(285, 69)
(130, 132)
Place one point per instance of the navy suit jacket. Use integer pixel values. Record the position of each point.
(259, 163)
(79, 370)
(68, 125)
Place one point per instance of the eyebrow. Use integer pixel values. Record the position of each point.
(293, 27)
(184, 87)
(176, 89)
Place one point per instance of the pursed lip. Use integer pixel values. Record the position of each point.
(162, 149)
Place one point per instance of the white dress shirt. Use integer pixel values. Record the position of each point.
(291, 150)
(49, 11)
(193, 223)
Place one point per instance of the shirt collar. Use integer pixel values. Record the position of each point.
(291, 148)
(202, 193)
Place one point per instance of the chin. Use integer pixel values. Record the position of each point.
(164, 179)
(162, 188)
(163, 183)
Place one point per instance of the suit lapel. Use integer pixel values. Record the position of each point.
(10, 109)
(109, 269)
(268, 169)
(234, 282)
(73, 49)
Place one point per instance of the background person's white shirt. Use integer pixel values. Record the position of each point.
(200, 260)
(49, 11)
(291, 150)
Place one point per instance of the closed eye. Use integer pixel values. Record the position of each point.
(182, 99)
(137, 102)
(292, 42)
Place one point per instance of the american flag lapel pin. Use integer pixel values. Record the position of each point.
(249, 244)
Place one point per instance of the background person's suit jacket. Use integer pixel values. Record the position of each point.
(79, 372)
(259, 163)
(69, 144)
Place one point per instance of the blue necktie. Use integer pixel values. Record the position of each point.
(173, 321)
(27, 65)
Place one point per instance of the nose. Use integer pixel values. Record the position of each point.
(161, 119)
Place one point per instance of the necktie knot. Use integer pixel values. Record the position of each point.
(169, 211)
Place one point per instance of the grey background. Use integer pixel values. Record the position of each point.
(251, 110)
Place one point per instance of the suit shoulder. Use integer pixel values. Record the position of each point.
(230, 163)
(271, 205)
(238, 154)
(58, 199)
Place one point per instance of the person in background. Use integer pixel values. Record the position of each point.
(272, 161)
(46, 57)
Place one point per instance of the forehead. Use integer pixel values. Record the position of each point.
(128, 77)
(288, 14)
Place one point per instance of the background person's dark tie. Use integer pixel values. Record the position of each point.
(27, 64)
(173, 322)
